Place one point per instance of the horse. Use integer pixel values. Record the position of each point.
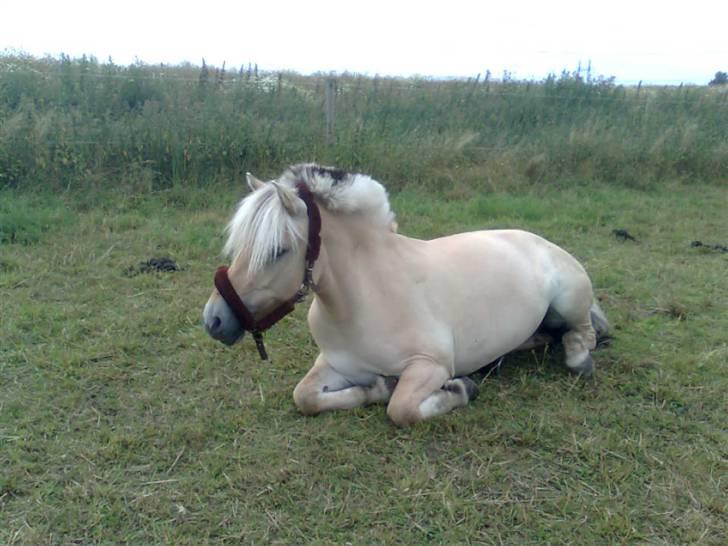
(397, 320)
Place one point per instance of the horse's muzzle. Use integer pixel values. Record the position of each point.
(221, 324)
(228, 338)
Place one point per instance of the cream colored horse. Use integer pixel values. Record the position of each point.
(397, 320)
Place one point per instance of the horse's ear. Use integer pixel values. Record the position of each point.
(253, 183)
(288, 197)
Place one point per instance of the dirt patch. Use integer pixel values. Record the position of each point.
(623, 235)
(153, 265)
(710, 246)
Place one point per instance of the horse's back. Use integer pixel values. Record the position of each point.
(513, 249)
(506, 252)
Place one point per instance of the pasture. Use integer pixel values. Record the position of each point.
(121, 421)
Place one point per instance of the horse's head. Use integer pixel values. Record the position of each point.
(267, 247)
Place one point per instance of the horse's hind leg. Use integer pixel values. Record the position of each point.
(574, 306)
(578, 344)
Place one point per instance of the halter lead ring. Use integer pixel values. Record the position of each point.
(257, 326)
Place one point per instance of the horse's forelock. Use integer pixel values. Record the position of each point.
(259, 227)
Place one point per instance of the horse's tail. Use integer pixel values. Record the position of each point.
(599, 322)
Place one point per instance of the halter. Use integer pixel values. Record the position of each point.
(241, 312)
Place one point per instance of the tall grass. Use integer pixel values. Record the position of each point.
(80, 123)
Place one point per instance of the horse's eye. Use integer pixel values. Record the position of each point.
(279, 252)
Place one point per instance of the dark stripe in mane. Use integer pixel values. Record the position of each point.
(336, 174)
(309, 171)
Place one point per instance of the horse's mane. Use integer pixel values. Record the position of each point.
(261, 223)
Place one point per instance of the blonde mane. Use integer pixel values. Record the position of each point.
(261, 224)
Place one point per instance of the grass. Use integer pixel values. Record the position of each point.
(24, 219)
(122, 422)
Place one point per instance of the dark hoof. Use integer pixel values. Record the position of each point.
(461, 384)
(585, 368)
(471, 387)
(390, 382)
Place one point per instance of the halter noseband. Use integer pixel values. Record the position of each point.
(241, 312)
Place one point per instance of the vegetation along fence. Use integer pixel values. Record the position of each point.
(81, 123)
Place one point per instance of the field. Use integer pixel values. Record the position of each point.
(121, 421)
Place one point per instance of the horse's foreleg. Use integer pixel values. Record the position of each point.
(425, 390)
(324, 389)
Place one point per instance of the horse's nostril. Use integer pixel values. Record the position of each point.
(216, 322)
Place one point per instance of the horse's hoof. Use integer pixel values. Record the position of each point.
(390, 381)
(471, 387)
(585, 368)
(381, 390)
(464, 386)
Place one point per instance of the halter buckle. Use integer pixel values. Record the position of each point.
(258, 337)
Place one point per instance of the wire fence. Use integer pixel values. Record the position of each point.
(247, 72)
(222, 78)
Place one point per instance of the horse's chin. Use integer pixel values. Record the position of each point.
(232, 340)
(228, 338)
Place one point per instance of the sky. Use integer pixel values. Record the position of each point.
(661, 42)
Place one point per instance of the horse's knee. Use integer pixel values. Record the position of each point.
(403, 414)
(305, 399)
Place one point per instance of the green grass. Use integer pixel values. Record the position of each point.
(121, 421)
(24, 219)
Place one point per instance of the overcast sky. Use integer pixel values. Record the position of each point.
(657, 42)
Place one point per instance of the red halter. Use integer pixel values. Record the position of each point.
(241, 312)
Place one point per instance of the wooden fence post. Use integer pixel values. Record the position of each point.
(330, 110)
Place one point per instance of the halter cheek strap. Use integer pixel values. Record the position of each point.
(238, 308)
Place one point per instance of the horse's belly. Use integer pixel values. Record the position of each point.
(481, 342)
(358, 370)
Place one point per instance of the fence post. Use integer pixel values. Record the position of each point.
(330, 110)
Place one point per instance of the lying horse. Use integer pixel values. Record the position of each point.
(397, 320)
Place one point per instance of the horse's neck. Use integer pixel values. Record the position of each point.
(352, 253)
